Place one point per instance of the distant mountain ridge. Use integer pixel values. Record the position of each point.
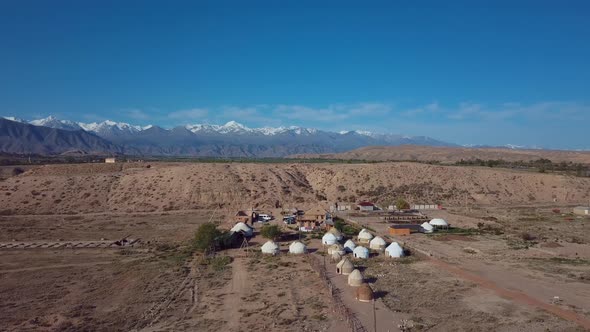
(229, 140)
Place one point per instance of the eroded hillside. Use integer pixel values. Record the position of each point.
(181, 186)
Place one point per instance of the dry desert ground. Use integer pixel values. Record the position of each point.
(513, 263)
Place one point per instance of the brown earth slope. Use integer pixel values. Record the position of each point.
(451, 154)
(88, 188)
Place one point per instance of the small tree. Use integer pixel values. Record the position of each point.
(339, 224)
(205, 236)
(401, 204)
(271, 232)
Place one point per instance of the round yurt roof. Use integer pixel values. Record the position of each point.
(364, 293)
(270, 247)
(345, 266)
(329, 238)
(336, 256)
(355, 278)
(438, 222)
(336, 233)
(335, 248)
(349, 245)
(378, 242)
(365, 235)
(297, 248)
(394, 250)
(241, 227)
(361, 252)
(426, 226)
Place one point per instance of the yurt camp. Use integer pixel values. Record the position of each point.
(297, 248)
(349, 246)
(361, 252)
(344, 267)
(329, 239)
(355, 278)
(364, 293)
(394, 250)
(377, 243)
(270, 248)
(242, 227)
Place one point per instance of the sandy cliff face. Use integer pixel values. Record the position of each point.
(164, 187)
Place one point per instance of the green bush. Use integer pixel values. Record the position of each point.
(205, 237)
(271, 232)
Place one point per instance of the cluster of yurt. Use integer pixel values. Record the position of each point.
(297, 248)
(270, 248)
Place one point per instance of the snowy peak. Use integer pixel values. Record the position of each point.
(54, 122)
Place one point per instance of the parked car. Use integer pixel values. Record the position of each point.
(289, 220)
(264, 217)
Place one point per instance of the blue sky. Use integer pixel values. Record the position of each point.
(475, 72)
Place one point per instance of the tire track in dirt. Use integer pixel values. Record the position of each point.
(512, 295)
(235, 290)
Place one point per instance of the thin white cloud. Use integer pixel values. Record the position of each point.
(137, 114)
(189, 114)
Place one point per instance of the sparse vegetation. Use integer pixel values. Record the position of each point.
(271, 232)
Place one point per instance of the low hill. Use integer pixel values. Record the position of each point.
(133, 187)
(450, 154)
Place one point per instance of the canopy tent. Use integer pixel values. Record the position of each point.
(242, 227)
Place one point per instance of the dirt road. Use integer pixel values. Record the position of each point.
(235, 290)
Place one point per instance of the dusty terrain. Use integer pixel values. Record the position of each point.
(88, 188)
(491, 277)
(452, 154)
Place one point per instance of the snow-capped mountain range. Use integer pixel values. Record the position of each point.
(229, 140)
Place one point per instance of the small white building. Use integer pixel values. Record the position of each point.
(110, 160)
(582, 210)
(439, 223)
(427, 228)
(365, 236)
(242, 227)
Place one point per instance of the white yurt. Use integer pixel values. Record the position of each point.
(355, 278)
(349, 246)
(345, 266)
(297, 248)
(439, 223)
(377, 243)
(361, 252)
(336, 233)
(427, 227)
(329, 239)
(270, 247)
(336, 248)
(241, 227)
(365, 236)
(394, 250)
